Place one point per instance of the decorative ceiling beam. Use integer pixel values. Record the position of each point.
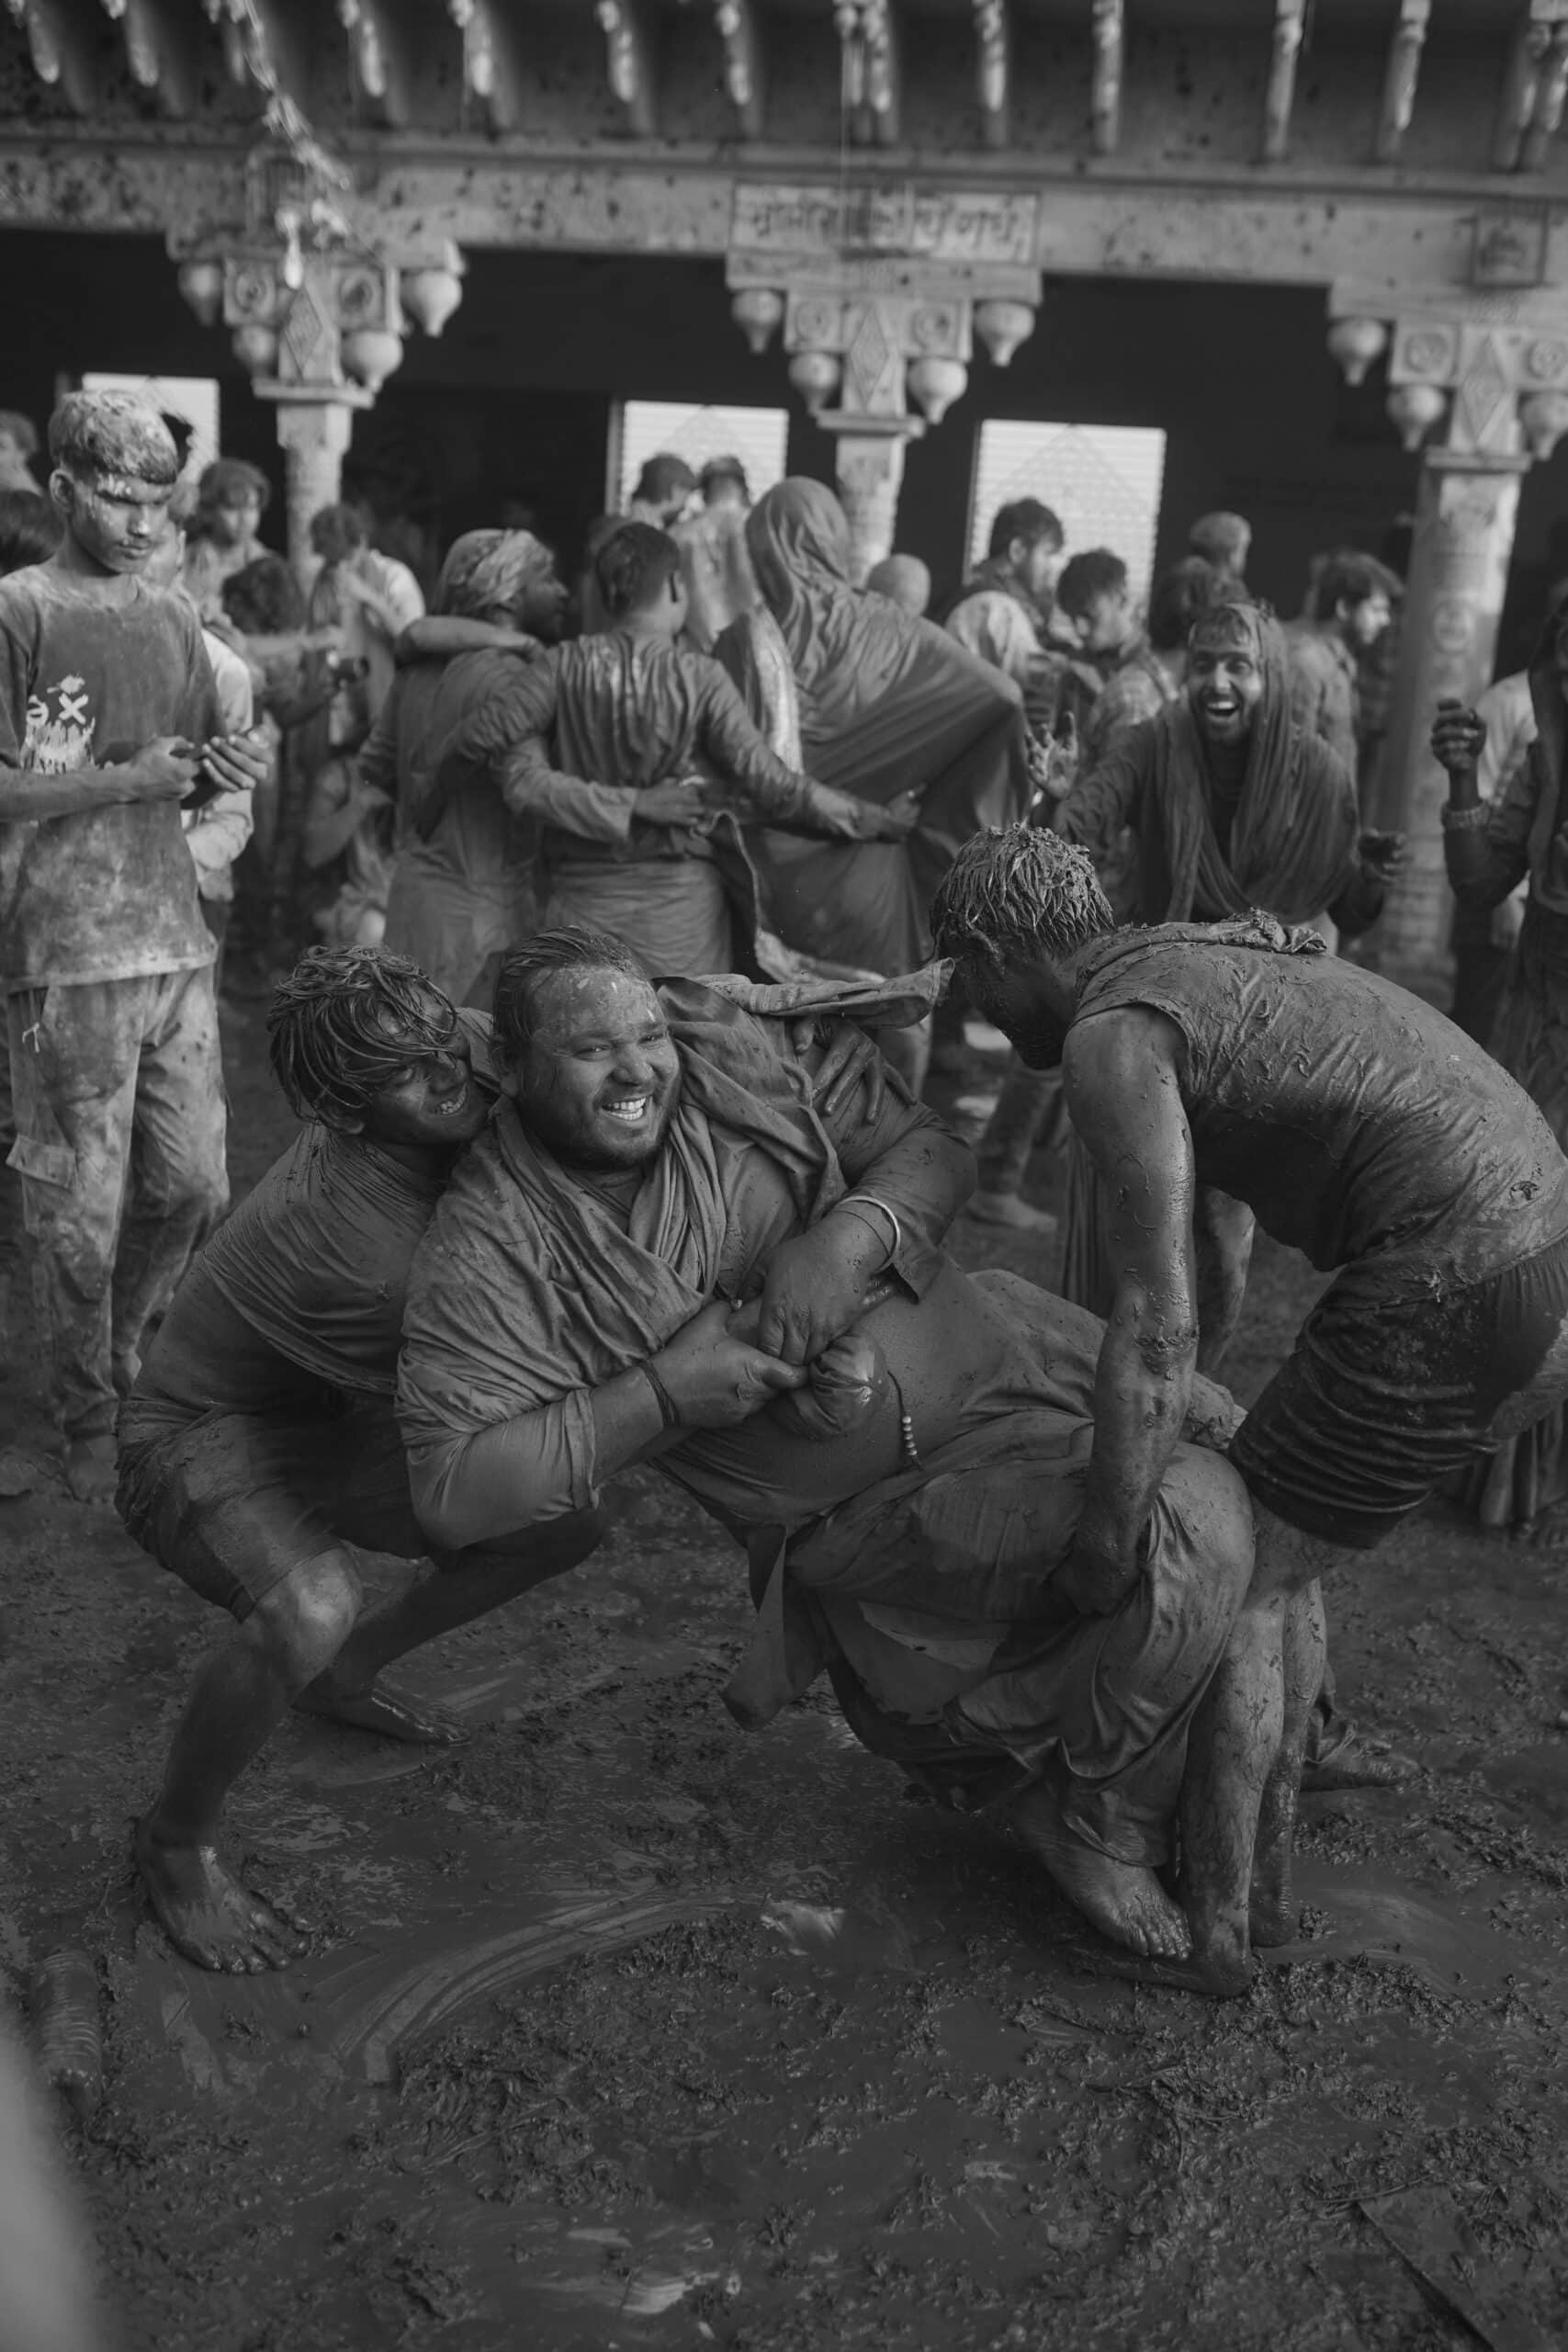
(492, 62)
(1109, 58)
(379, 61)
(630, 61)
(1401, 76)
(1533, 85)
(159, 53)
(993, 34)
(872, 88)
(740, 32)
(59, 48)
(1290, 29)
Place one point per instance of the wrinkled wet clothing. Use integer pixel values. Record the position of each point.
(1363, 1128)
(930, 1589)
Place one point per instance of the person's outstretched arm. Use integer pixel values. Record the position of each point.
(1121, 1074)
(1105, 799)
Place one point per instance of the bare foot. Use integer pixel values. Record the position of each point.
(89, 1467)
(1359, 1763)
(1214, 1979)
(1124, 1901)
(209, 1916)
(380, 1710)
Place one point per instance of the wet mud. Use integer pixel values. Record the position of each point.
(622, 2027)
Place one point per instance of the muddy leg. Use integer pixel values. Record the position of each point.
(1303, 1649)
(1235, 1747)
(240, 1697)
(482, 1580)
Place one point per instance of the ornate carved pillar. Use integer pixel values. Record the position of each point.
(1491, 372)
(317, 316)
(880, 293)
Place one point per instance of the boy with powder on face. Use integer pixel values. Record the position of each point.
(108, 719)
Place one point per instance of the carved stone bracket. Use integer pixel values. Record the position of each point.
(378, 60)
(736, 24)
(1279, 95)
(1495, 369)
(58, 54)
(159, 53)
(630, 60)
(1534, 89)
(1401, 75)
(491, 59)
(868, 39)
(1105, 88)
(993, 37)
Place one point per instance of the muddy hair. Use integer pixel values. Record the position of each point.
(634, 567)
(569, 949)
(342, 1025)
(1008, 896)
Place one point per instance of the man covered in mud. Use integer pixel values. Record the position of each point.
(259, 1459)
(662, 1251)
(1364, 1129)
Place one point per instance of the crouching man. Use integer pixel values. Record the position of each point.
(1368, 1132)
(258, 1454)
(661, 1248)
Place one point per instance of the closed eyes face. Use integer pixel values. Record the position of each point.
(600, 1077)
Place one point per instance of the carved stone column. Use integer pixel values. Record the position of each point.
(314, 436)
(880, 292)
(1491, 371)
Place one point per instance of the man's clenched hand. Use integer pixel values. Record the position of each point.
(716, 1380)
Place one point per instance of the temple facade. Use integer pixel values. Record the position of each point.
(1320, 243)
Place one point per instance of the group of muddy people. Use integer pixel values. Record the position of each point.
(613, 1149)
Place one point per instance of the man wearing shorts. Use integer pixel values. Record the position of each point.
(259, 1459)
(1362, 1128)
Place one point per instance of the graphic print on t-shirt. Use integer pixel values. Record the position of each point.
(59, 739)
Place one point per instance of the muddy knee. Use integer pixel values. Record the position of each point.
(308, 1616)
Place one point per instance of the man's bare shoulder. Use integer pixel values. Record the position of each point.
(1108, 1051)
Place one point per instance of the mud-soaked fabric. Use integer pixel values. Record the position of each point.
(1378, 1402)
(673, 915)
(1293, 842)
(313, 1264)
(462, 886)
(530, 1290)
(120, 1119)
(109, 894)
(1359, 1125)
(883, 704)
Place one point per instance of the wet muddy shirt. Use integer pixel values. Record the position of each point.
(305, 1284)
(1358, 1124)
(110, 894)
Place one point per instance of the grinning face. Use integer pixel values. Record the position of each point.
(114, 519)
(600, 1077)
(431, 1105)
(1224, 686)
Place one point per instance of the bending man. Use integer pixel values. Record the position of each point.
(659, 1249)
(1365, 1130)
(259, 1459)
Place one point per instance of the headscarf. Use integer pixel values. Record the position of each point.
(846, 648)
(1294, 840)
(487, 571)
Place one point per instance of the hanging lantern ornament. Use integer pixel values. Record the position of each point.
(814, 374)
(936, 384)
(758, 312)
(1356, 343)
(1001, 327)
(1415, 409)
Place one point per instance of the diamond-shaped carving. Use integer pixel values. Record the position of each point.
(1483, 394)
(306, 332)
(870, 355)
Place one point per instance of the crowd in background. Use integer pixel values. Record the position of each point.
(716, 745)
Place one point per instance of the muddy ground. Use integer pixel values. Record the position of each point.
(624, 2028)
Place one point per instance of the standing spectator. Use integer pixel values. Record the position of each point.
(1004, 612)
(369, 599)
(216, 831)
(665, 488)
(905, 581)
(720, 582)
(1152, 669)
(1485, 936)
(224, 537)
(18, 442)
(1224, 541)
(1353, 608)
(108, 715)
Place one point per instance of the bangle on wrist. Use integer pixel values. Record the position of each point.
(1466, 820)
(667, 1412)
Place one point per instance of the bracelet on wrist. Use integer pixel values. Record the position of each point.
(1466, 820)
(669, 1412)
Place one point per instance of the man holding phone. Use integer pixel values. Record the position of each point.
(110, 719)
